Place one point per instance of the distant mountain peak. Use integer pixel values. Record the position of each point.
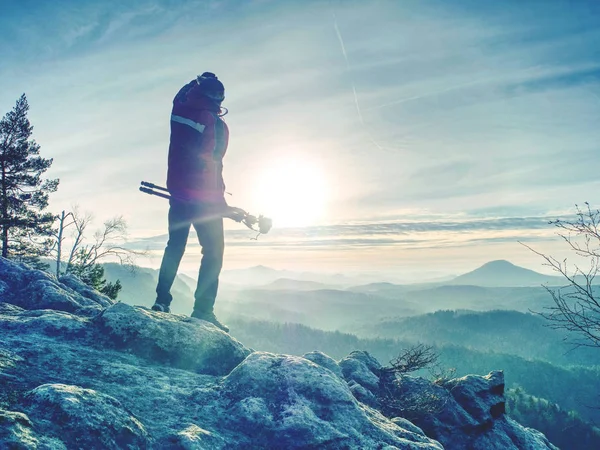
(261, 267)
(499, 263)
(501, 272)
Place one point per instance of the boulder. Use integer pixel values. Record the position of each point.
(181, 341)
(169, 381)
(359, 367)
(84, 418)
(290, 402)
(363, 395)
(12, 274)
(60, 324)
(481, 397)
(465, 413)
(17, 432)
(33, 289)
(86, 291)
(407, 425)
(324, 360)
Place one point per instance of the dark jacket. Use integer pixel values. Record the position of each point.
(199, 139)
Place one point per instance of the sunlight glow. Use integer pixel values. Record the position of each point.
(293, 191)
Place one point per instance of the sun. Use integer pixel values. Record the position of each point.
(293, 192)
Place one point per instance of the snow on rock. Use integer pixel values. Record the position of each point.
(303, 405)
(94, 420)
(182, 341)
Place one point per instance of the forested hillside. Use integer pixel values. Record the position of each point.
(522, 334)
(565, 429)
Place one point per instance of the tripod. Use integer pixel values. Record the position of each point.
(237, 214)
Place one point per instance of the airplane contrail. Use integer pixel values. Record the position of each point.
(348, 68)
(339, 35)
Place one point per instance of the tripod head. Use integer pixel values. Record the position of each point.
(239, 215)
(264, 223)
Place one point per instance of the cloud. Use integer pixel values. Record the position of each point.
(408, 234)
(473, 108)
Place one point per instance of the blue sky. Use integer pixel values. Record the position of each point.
(448, 130)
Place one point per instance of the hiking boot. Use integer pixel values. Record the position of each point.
(210, 317)
(161, 307)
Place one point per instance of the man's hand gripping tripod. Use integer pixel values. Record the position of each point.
(263, 223)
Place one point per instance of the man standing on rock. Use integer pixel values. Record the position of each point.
(199, 139)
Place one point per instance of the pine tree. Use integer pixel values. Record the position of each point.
(93, 276)
(24, 226)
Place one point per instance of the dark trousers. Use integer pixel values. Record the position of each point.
(209, 228)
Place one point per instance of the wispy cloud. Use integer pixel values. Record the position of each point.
(403, 233)
(454, 108)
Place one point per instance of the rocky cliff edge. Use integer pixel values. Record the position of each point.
(78, 370)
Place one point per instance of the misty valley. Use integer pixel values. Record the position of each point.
(477, 322)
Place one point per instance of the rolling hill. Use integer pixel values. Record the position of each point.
(139, 287)
(522, 334)
(328, 309)
(288, 284)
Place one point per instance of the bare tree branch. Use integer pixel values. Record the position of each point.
(576, 306)
(412, 359)
(395, 400)
(81, 223)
